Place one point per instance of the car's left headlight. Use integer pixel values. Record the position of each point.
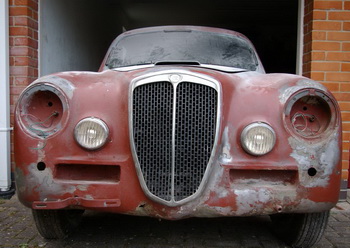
(91, 133)
(258, 138)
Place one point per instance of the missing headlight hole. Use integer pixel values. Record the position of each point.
(42, 110)
(310, 115)
(41, 166)
(312, 172)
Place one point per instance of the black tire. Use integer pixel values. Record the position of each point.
(300, 230)
(57, 224)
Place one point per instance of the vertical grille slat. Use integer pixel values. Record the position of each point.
(153, 127)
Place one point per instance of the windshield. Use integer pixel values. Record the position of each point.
(182, 46)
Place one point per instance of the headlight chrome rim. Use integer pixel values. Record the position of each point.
(95, 127)
(247, 146)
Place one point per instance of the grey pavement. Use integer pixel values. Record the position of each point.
(17, 229)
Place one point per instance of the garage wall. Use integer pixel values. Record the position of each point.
(79, 40)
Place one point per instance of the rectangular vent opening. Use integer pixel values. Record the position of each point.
(87, 172)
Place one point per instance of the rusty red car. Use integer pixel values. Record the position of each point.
(179, 122)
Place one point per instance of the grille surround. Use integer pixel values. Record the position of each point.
(175, 78)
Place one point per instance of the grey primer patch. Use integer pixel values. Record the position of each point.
(301, 84)
(225, 155)
(325, 154)
(43, 182)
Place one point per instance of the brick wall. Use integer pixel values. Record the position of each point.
(23, 32)
(327, 56)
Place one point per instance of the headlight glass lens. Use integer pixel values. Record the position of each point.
(258, 139)
(91, 133)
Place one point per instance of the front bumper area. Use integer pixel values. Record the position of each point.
(232, 190)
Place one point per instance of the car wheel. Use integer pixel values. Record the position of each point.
(300, 230)
(56, 224)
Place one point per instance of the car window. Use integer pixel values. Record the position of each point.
(186, 46)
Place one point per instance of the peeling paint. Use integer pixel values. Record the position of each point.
(323, 156)
(305, 83)
(43, 183)
(226, 147)
(66, 86)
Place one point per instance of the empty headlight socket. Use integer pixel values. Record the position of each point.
(310, 114)
(43, 110)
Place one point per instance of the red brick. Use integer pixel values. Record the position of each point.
(338, 76)
(326, 46)
(345, 67)
(346, 26)
(326, 25)
(33, 43)
(332, 86)
(347, 5)
(345, 167)
(19, 70)
(346, 126)
(346, 46)
(342, 96)
(345, 116)
(33, 63)
(345, 86)
(339, 36)
(345, 155)
(21, 2)
(328, 5)
(319, 15)
(19, 31)
(21, 81)
(20, 11)
(19, 51)
(21, 61)
(346, 135)
(33, 24)
(318, 76)
(338, 56)
(16, 90)
(21, 20)
(318, 55)
(339, 15)
(345, 106)
(318, 35)
(346, 145)
(325, 66)
(21, 41)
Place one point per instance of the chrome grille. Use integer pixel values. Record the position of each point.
(173, 138)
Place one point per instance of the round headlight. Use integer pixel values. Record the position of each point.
(91, 133)
(258, 139)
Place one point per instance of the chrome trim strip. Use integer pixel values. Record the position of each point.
(173, 145)
(185, 76)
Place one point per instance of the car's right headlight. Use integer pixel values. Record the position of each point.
(258, 138)
(91, 133)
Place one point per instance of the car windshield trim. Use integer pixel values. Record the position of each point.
(208, 66)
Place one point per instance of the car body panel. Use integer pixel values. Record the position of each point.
(54, 172)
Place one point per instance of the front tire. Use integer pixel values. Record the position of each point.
(57, 224)
(300, 230)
